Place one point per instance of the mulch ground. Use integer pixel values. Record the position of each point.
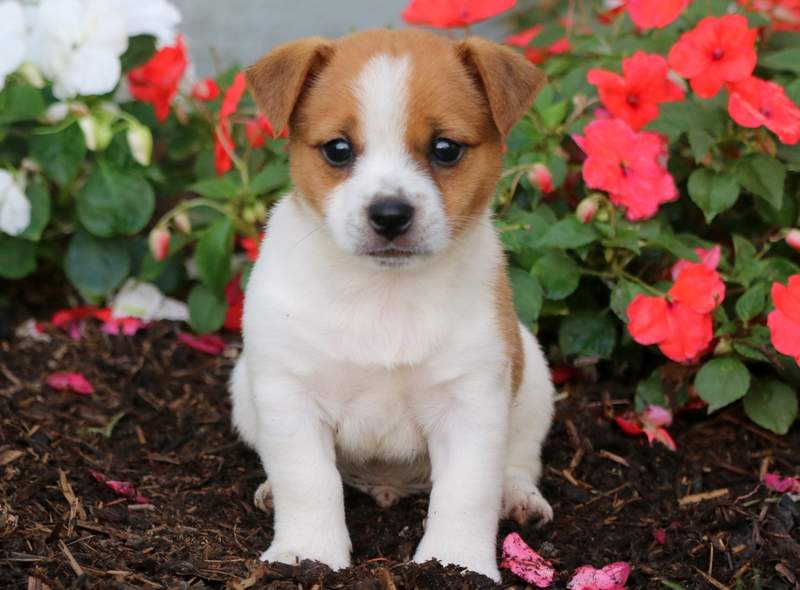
(160, 419)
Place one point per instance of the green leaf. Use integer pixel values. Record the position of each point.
(37, 194)
(672, 585)
(96, 266)
(275, 175)
(206, 309)
(722, 381)
(218, 187)
(650, 392)
(59, 154)
(785, 59)
(558, 274)
(621, 296)
(568, 233)
(749, 352)
(713, 192)
(752, 302)
(20, 102)
(115, 201)
(587, 333)
(763, 176)
(746, 267)
(17, 257)
(140, 49)
(700, 141)
(213, 254)
(681, 117)
(772, 405)
(527, 295)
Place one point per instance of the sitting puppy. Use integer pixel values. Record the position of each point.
(381, 346)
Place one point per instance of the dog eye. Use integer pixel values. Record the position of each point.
(338, 152)
(446, 152)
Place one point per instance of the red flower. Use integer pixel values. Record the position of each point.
(74, 382)
(445, 14)
(207, 343)
(716, 51)
(235, 299)
(251, 246)
(635, 96)
(628, 165)
(649, 14)
(699, 287)
(259, 129)
(205, 90)
(157, 81)
(785, 14)
(223, 144)
(537, 55)
(784, 322)
(710, 258)
(754, 102)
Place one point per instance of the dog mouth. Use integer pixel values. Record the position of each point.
(394, 256)
(391, 253)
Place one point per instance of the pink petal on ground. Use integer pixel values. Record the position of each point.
(661, 435)
(657, 416)
(610, 577)
(122, 488)
(780, 484)
(526, 563)
(660, 536)
(74, 382)
(207, 343)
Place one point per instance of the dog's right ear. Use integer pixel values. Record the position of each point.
(278, 79)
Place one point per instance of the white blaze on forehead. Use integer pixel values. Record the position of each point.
(382, 93)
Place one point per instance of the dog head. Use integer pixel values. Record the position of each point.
(395, 136)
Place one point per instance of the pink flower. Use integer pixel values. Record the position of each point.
(628, 165)
(587, 209)
(74, 382)
(611, 577)
(445, 14)
(699, 287)
(207, 343)
(649, 14)
(709, 257)
(526, 563)
(754, 102)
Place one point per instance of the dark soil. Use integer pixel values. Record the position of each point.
(61, 528)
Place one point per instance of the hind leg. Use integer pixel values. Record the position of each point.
(531, 414)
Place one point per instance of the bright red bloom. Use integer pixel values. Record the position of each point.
(716, 51)
(74, 382)
(257, 131)
(784, 322)
(206, 90)
(634, 97)
(251, 246)
(755, 102)
(157, 80)
(785, 14)
(710, 258)
(446, 14)
(207, 343)
(235, 299)
(699, 287)
(628, 165)
(650, 14)
(223, 140)
(537, 55)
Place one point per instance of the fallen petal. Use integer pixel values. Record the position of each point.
(207, 343)
(524, 562)
(74, 382)
(781, 484)
(628, 426)
(611, 577)
(660, 536)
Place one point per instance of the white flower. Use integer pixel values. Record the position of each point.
(77, 44)
(140, 142)
(15, 208)
(159, 18)
(145, 301)
(56, 113)
(12, 39)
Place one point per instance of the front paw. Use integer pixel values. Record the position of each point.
(522, 501)
(335, 556)
(456, 552)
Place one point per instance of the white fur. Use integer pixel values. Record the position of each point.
(399, 377)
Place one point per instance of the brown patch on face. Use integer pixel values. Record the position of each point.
(509, 326)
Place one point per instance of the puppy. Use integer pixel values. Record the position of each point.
(381, 346)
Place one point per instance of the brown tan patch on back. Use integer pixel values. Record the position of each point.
(509, 326)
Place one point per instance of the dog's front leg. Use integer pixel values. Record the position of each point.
(297, 449)
(467, 446)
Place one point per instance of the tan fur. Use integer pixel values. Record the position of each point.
(509, 326)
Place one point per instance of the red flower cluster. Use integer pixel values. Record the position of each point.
(716, 51)
(628, 165)
(650, 14)
(681, 326)
(634, 97)
(754, 102)
(157, 80)
(784, 322)
(205, 90)
(259, 129)
(537, 55)
(223, 144)
(446, 14)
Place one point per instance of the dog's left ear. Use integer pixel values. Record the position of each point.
(509, 81)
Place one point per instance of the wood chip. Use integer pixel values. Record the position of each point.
(9, 456)
(612, 457)
(703, 496)
(76, 567)
(713, 581)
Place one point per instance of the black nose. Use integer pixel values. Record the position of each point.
(390, 217)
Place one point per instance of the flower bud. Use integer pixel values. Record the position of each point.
(205, 90)
(587, 209)
(96, 132)
(158, 241)
(140, 142)
(539, 176)
(32, 75)
(793, 238)
(56, 113)
(181, 221)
